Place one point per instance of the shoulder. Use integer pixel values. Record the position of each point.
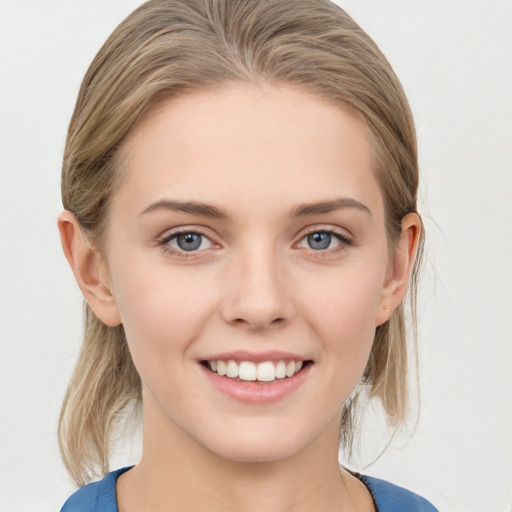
(392, 498)
(97, 496)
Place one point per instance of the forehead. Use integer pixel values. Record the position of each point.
(240, 144)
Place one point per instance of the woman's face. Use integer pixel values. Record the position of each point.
(247, 235)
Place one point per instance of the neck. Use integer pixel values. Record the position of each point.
(175, 473)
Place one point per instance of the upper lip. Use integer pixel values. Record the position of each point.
(255, 357)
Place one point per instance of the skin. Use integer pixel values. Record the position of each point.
(255, 284)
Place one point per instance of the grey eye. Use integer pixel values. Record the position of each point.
(190, 241)
(320, 240)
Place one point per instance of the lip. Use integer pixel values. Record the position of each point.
(255, 357)
(252, 392)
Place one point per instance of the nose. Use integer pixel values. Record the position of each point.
(256, 294)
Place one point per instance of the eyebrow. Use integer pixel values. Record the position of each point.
(191, 207)
(340, 203)
(215, 212)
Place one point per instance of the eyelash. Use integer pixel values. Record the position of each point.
(164, 243)
(344, 240)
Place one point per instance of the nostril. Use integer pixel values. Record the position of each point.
(260, 324)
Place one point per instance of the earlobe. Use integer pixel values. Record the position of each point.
(89, 270)
(395, 287)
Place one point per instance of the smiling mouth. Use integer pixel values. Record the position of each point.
(247, 371)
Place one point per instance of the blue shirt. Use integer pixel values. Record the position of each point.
(101, 496)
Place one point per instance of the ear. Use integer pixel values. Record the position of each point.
(395, 287)
(90, 271)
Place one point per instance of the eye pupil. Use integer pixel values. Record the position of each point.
(189, 241)
(319, 240)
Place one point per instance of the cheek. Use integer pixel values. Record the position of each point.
(343, 315)
(162, 314)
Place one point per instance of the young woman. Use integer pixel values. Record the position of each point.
(239, 185)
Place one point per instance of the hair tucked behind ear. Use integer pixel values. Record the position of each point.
(171, 47)
(103, 383)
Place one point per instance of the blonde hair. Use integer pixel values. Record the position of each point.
(169, 47)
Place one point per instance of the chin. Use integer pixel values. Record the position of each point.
(256, 447)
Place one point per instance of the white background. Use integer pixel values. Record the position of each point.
(455, 61)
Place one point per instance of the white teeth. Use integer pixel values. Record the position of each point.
(247, 371)
(221, 367)
(232, 369)
(280, 370)
(266, 371)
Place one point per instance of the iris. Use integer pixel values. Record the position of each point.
(189, 241)
(319, 240)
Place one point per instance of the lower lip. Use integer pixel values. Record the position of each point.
(252, 392)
